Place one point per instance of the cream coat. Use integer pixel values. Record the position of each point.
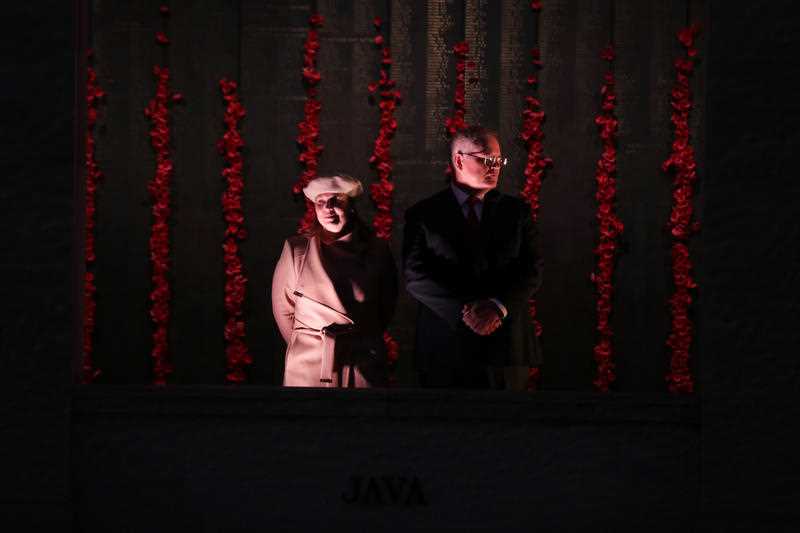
(332, 305)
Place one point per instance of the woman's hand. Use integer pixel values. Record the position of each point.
(334, 330)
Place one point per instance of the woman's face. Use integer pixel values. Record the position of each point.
(332, 211)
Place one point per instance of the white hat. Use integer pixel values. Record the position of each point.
(340, 184)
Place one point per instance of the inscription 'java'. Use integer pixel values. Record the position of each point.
(385, 490)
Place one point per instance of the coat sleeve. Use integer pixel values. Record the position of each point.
(521, 279)
(425, 279)
(283, 280)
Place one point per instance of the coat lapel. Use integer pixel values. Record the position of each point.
(314, 282)
(454, 217)
(488, 230)
(473, 252)
(490, 202)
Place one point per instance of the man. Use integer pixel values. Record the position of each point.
(470, 259)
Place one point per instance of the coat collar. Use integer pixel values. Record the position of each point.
(490, 201)
(452, 216)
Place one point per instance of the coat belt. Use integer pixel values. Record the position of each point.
(326, 365)
(328, 350)
(328, 339)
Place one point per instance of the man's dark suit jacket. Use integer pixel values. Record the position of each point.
(445, 267)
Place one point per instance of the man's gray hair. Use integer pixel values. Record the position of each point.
(477, 135)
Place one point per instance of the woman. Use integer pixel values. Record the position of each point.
(333, 294)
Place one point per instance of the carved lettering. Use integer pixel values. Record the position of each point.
(356, 490)
(377, 491)
(394, 486)
(372, 495)
(415, 495)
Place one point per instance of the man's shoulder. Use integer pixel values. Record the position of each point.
(431, 204)
(508, 203)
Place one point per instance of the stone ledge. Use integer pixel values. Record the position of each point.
(554, 408)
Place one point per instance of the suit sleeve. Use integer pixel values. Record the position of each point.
(283, 279)
(425, 279)
(521, 279)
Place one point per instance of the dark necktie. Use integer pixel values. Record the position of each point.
(473, 224)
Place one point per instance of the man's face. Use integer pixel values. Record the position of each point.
(470, 169)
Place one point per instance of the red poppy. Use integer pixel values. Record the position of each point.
(93, 175)
(532, 134)
(609, 228)
(682, 164)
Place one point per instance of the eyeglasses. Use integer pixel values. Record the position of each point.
(488, 162)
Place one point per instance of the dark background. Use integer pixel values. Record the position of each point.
(113, 457)
(260, 43)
